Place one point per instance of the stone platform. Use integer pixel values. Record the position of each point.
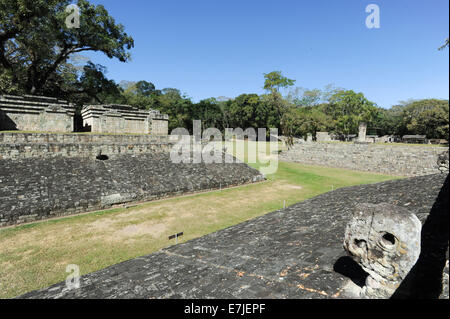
(291, 253)
(40, 188)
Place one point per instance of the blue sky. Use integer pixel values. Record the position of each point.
(222, 47)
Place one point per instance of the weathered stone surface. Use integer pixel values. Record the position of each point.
(425, 281)
(291, 253)
(124, 119)
(87, 150)
(362, 132)
(35, 113)
(78, 138)
(385, 240)
(443, 162)
(323, 137)
(40, 188)
(385, 159)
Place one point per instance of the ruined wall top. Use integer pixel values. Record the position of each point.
(127, 111)
(34, 104)
(35, 113)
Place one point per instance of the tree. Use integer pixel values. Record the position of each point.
(141, 94)
(389, 121)
(243, 111)
(348, 109)
(35, 43)
(304, 97)
(428, 117)
(209, 112)
(179, 108)
(145, 88)
(445, 45)
(274, 81)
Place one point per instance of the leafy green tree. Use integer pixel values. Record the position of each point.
(177, 106)
(35, 43)
(210, 113)
(304, 97)
(141, 94)
(390, 121)
(348, 109)
(146, 88)
(426, 117)
(274, 81)
(243, 111)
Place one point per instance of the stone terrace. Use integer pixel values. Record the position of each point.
(290, 253)
(379, 158)
(35, 113)
(40, 188)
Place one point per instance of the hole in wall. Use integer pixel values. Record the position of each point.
(102, 157)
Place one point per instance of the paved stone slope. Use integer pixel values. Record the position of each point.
(34, 188)
(291, 253)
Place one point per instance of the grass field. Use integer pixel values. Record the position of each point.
(36, 255)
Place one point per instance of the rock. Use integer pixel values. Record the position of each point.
(443, 162)
(385, 240)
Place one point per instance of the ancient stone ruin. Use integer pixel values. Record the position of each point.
(290, 253)
(385, 241)
(323, 137)
(378, 158)
(46, 114)
(443, 162)
(124, 119)
(362, 132)
(33, 113)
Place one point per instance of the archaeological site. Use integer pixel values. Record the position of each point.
(391, 229)
(224, 158)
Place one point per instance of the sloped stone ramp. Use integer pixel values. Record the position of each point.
(290, 253)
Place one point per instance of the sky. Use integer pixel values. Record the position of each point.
(212, 48)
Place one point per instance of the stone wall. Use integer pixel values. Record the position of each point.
(33, 113)
(41, 145)
(14, 138)
(88, 150)
(323, 137)
(124, 119)
(385, 159)
(39, 188)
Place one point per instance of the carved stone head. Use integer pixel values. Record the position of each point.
(443, 162)
(385, 240)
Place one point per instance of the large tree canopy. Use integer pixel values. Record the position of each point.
(36, 44)
(429, 117)
(348, 109)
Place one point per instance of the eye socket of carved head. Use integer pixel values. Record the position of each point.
(388, 241)
(360, 243)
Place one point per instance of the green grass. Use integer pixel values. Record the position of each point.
(34, 256)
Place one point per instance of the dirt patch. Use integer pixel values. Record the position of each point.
(143, 229)
(293, 186)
